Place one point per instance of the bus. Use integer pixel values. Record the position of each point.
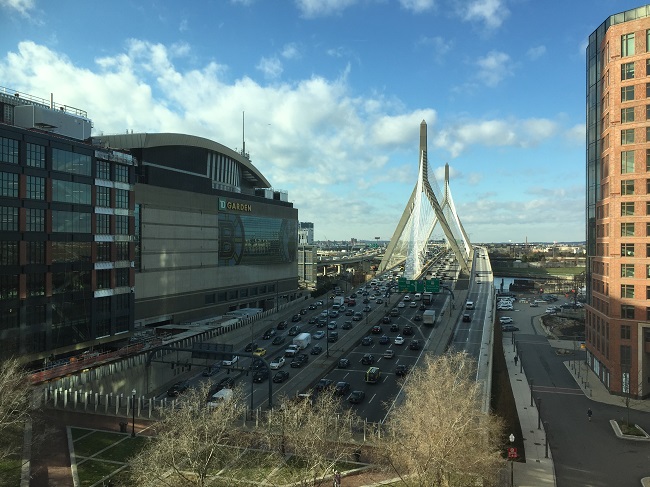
(372, 375)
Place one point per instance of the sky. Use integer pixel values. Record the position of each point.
(334, 92)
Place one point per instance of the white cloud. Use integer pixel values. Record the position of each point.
(323, 8)
(271, 67)
(536, 52)
(494, 67)
(438, 45)
(291, 51)
(491, 13)
(418, 6)
(23, 7)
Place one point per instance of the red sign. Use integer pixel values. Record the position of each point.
(512, 452)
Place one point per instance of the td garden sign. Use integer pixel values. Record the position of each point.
(234, 206)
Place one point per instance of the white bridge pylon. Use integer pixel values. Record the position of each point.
(420, 217)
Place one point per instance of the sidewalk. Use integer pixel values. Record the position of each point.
(538, 469)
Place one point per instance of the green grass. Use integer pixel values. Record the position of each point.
(10, 472)
(98, 440)
(92, 471)
(629, 429)
(122, 451)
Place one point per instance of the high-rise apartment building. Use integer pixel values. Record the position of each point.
(306, 233)
(618, 202)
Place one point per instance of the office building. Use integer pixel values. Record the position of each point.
(306, 233)
(618, 202)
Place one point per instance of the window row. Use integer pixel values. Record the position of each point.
(63, 252)
(62, 221)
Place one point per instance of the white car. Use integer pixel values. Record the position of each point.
(505, 320)
(318, 335)
(231, 361)
(277, 363)
(407, 297)
(413, 304)
(399, 340)
(401, 305)
(506, 308)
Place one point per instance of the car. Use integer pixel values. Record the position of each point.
(367, 340)
(278, 340)
(268, 334)
(534, 305)
(347, 325)
(356, 397)
(318, 335)
(367, 309)
(401, 305)
(394, 312)
(342, 388)
(408, 330)
(277, 362)
(402, 370)
(312, 307)
(385, 320)
(260, 375)
(399, 340)
(406, 298)
(230, 361)
(303, 311)
(551, 310)
(178, 388)
(291, 351)
(394, 327)
(323, 384)
(312, 321)
(259, 352)
(282, 325)
(509, 328)
(296, 318)
(415, 345)
(332, 325)
(321, 322)
(344, 363)
(225, 383)
(257, 364)
(349, 312)
(324, 313)
(413, 304)
(210, 370)
(505, 320)
(389, 353)
(376, 330)
(332, 336)
(417, 318)
(294, 330)
(467, 317)
(368, 359)
(379, 301)
(250, 347)
(365, 301)
(384, 339)
(299, 360)
(334, 314)
(423, 307)
(316, 350)
(280, 376)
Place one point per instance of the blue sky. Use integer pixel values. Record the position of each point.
(334, 92)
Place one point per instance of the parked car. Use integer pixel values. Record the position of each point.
(509, 328)
(505, 320)
(280, 376)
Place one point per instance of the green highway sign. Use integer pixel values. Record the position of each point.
(411, 286)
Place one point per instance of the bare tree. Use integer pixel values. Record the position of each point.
(193, 443)
(438, 435)
(16, 406)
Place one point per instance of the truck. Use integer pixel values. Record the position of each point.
(339, 300)
(429, 317)
(302, 340)
(427, 298)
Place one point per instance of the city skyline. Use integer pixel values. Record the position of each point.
(333, 94)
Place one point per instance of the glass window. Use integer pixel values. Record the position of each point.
(121, 198)
(627, 161)
(627, 45)
(8, 287)
(8, 253)
(34, 220)
(627, 115)
(627, 208)
(627, 290)
(647, 159)
(103, 279)
(627, 187)
(8, 150)
(627, 136)
(647, 229)
(103, 196)
(625, 332)
(71, 162)
(35, 155)
(64, 252)
(35, 284)
(122, 277)
(9, 184)
(103, 251)
(121, 173)
(627, 93)
(627, 270)
(627, 229)
(627, 71)
(9, 218)
(104, 170)
(103, 224)
(121, 225)
(35, 252)
(122, 250)
(35, 188)
(647, 271)
(627, 311)
(71, 192)
(70, 222)
(627, 250)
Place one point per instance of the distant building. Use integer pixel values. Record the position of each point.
(306, 233)
(618, 203)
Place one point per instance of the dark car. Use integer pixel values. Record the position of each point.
(376, 330)
(344, 363)
(278, 340)
(384, 339)
(402, 370)
(299, 360)
(367, 309)
(303, 311)
(467, 317)
(347, 325)
(316, 350)
(333, 336)
(509, 328)
(296, 318)
(423, 307)
(312, 306)
(312, 321)
(211, 370)
(178, 388)
(408, 330)
(356, 397)
(385, 319)
(250, 347)
(394, 327)
(283, 325)
(367, 340)
(365, 301)
(225, 383)
(323, 384)
(260, 375)
(417, 318)
(268, 334)
(415, 345)
(294, 330)
(280, 376)
(341, 388)
(368, 359)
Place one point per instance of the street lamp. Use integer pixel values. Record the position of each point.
(133, 407)
(512, 462)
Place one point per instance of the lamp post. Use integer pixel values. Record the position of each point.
(512, 463)
(133, 419)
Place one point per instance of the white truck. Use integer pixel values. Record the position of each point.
(302, 340)
(429, 317)
(339, 300)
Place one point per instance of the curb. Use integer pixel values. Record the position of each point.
(617, 431)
